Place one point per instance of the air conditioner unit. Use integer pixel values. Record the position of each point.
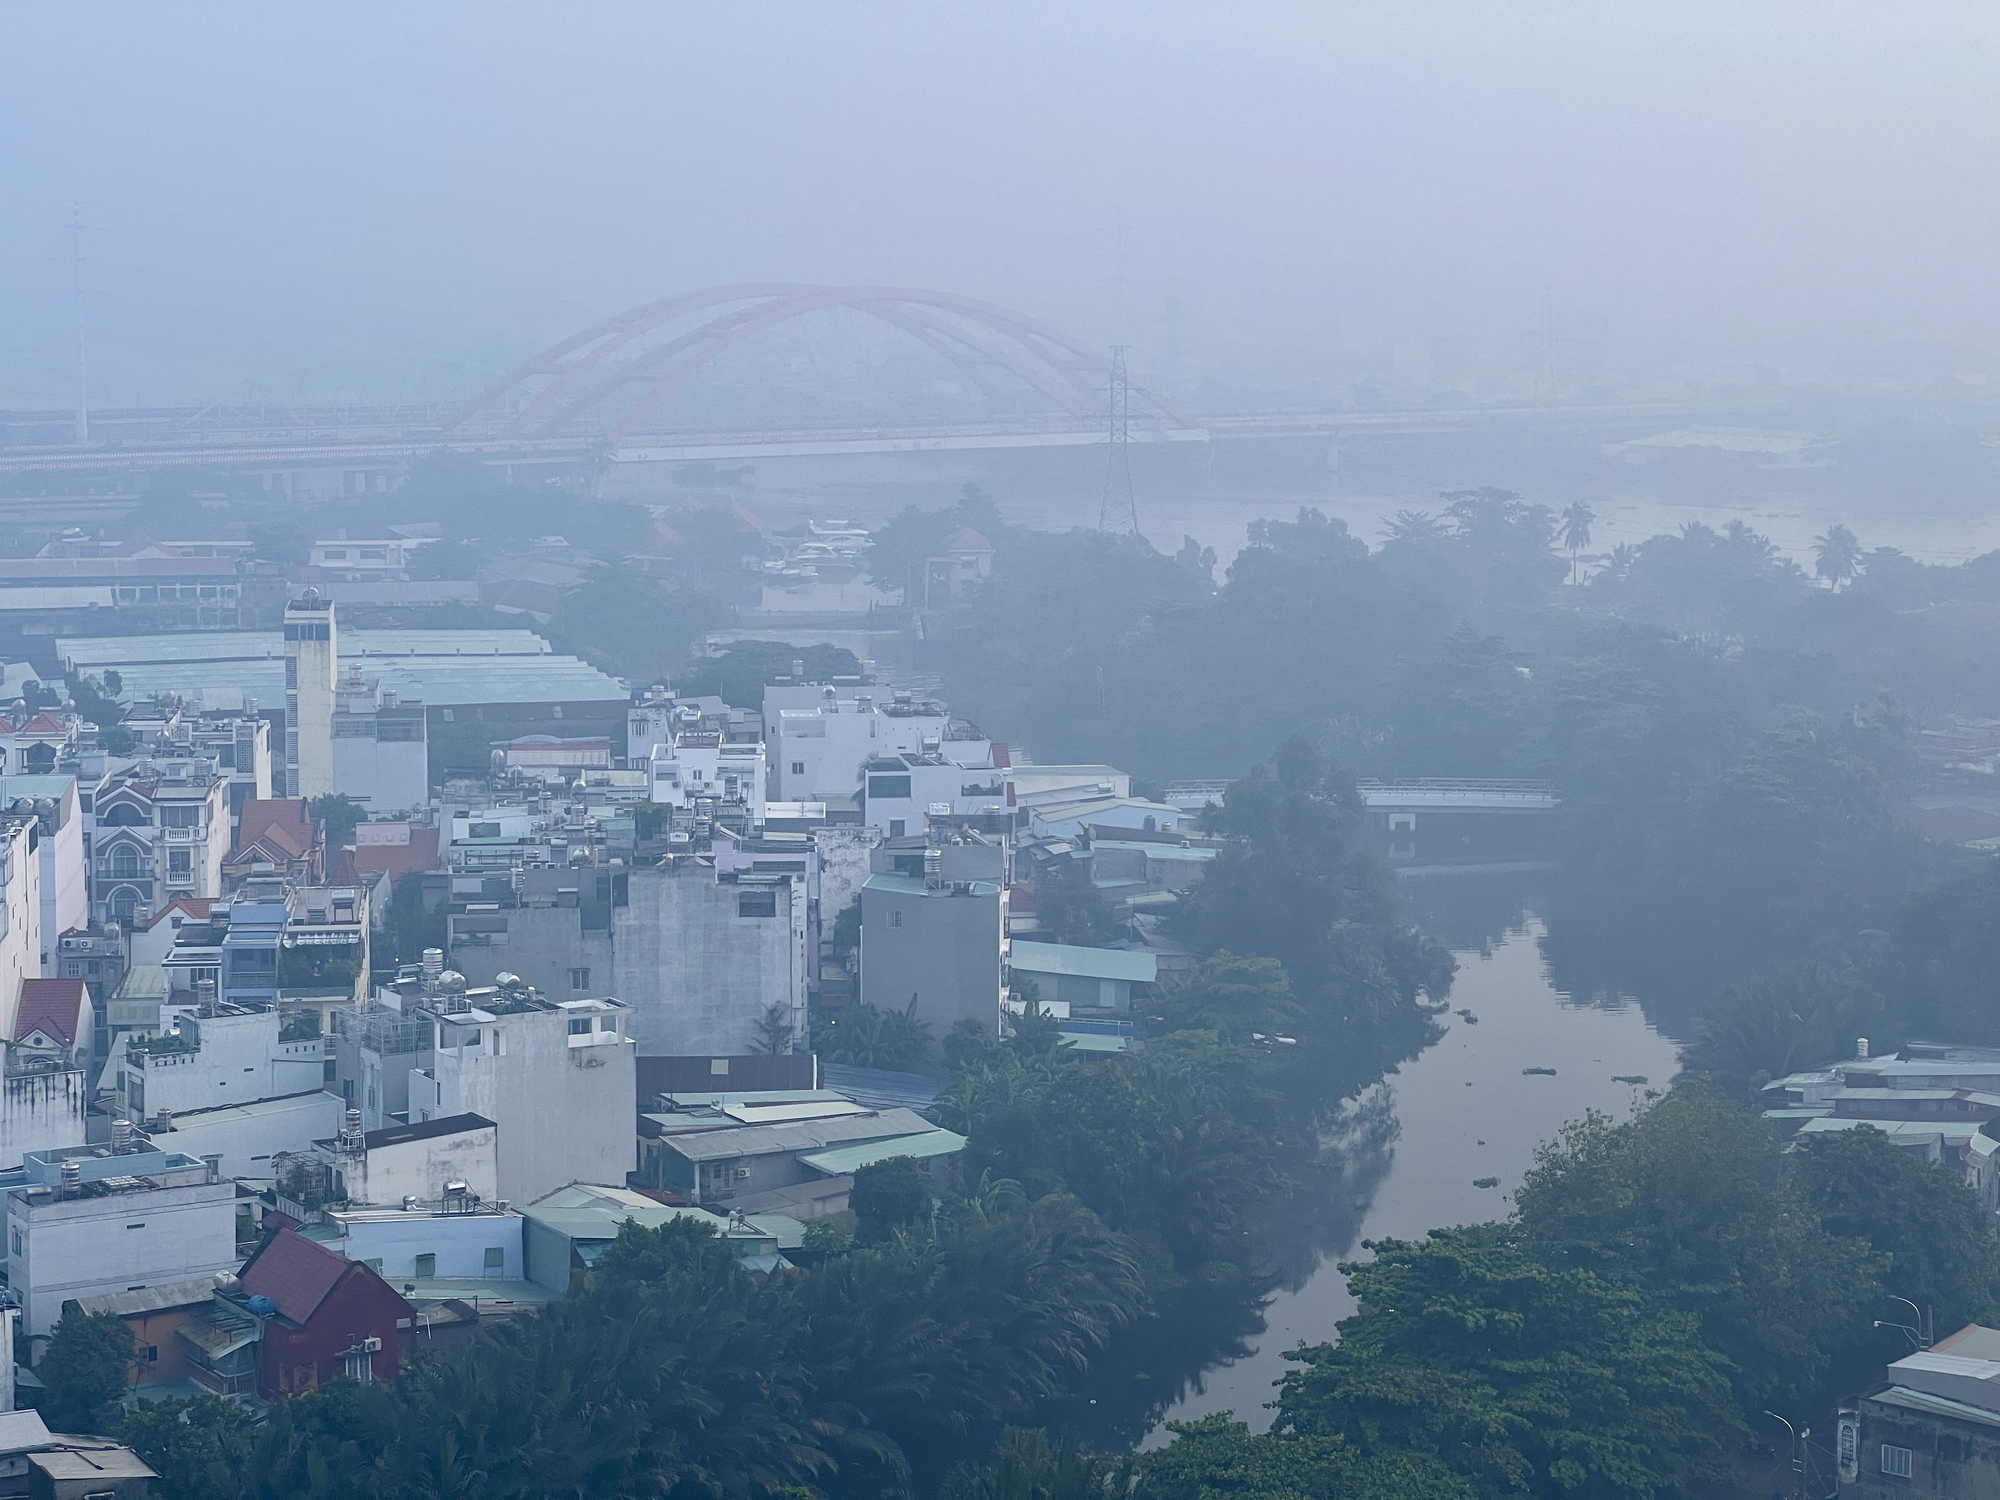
(371, 1346)
(742, 1174)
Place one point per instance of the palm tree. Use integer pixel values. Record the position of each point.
(1576, 519)
(1839, 554)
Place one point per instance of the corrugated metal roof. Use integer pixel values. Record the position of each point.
(838, 1161)
(796, 1135)
(152, 1298)
(1083, 963)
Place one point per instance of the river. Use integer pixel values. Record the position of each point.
(1466, 1111)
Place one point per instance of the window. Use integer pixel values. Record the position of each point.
(895, 828)
(579, 979)
(757, 904)
(798, 768)
(374, 1265)
(180, 862)
(893, 787)
(895, 918)
(580, 1027)
(180, 816)
(496, 1260)
(427, 1265)
(150, 1354)
(19, 1248)
(357, 1366)
(1896, 1461)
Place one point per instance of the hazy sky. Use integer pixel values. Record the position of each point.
(359, 200)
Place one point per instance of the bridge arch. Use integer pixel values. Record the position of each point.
(613, 376)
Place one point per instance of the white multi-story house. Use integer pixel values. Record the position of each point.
(51, 799)
(155, 829)
(700, 765)
(818, 749)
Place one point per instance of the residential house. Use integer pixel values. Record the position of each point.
(381, 745)
(54, 1026)
(565, 1232)
(745, 1146)
(1932, 1427)
(155, 830)
(154, 1315)
(278, 837)
(421, 1162)
(323, 1317)
(933, 940)
(221, 1054)
(53, 801)
(80, 1224)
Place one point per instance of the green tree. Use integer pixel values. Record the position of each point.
(1939, 1245)
(888, 1196)
(1525, 1378)
(1219, 1458)
(85, 1370)
(1577, 517)
(1026, 1465)
(1771, 1027)
(1070, 907)
(341, 814)
(1689, 1201)
(867, 1036)
(1837, 556)
(1234, 997)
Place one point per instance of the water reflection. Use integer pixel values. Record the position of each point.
(1465, 1112)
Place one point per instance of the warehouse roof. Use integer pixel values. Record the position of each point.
(441, 668)
(1083, 963)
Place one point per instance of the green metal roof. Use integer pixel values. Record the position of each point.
(838, 1161)
(1083, 963)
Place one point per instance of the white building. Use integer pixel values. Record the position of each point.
(155, 829)
(21, 942)
(557, 1077)
(701, 765)
(453, 1238)
(900, 792)
(64, 887)
(372, 560)
(817, 750)
(225, 1055)
(246, 1140)
(417, 1162)
(83, 1225)
(312, 650)
(381, 746)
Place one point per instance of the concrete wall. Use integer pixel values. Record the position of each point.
(1948, 1458)
(393, 1241)
(383, 775)
(21, 911)
(844, 851)
(942, 947)
(239, 1058)
(564, 1103)
(40, 1112)
(541, 944)
(698, 975)
(92, 1246)
(247, 1137)
(386, 1175)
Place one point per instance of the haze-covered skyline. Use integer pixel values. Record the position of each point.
(373, 204)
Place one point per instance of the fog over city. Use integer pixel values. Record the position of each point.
(384, 202)
(1000, 752)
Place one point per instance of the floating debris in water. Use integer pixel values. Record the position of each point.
(1542, 1072)
(1632, 1078)
(1479, 1143)
(1468, 1017)
(1485, 1182)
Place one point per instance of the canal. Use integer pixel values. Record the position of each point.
(1466, 1110)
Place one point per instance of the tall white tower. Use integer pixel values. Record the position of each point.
(312, 661)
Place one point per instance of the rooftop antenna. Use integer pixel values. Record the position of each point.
(1118, 468)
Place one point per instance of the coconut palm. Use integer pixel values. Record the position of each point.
(1576, 519)
(1838, 554)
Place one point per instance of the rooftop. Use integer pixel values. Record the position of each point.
(425, 1130)
(1083, 963)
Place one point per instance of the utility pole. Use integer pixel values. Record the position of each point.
(1118, 467)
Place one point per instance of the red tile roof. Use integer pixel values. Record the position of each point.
(294, 1272)
(188, 906)
(281, 822)
(398, 860)
(965, 539)
(50, 1006)
(43, 724)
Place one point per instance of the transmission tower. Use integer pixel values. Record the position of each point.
(1118, 467)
